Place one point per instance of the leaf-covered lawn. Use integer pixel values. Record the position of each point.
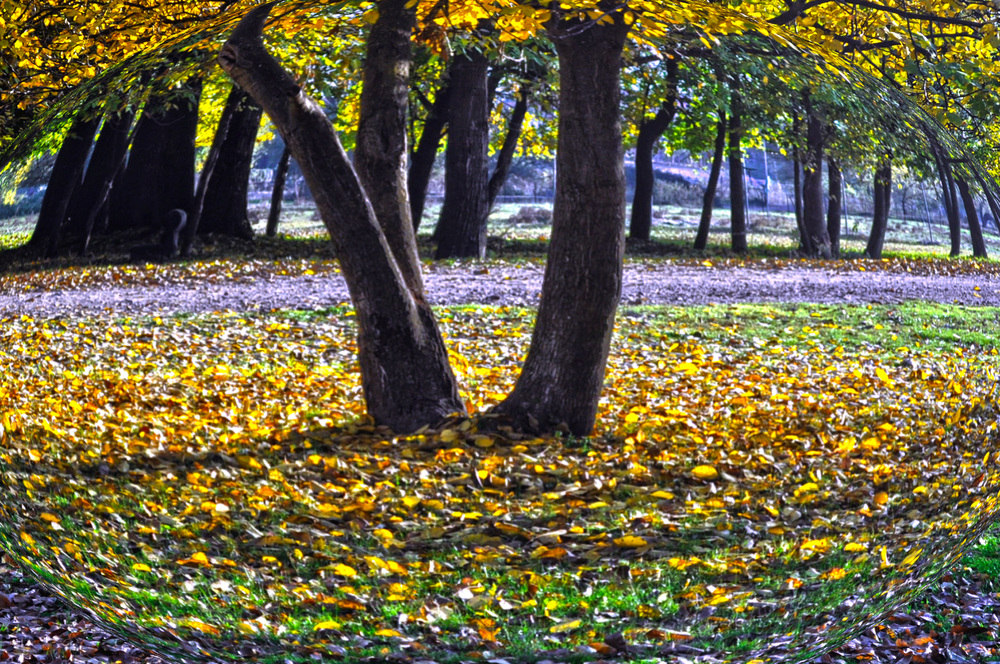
(757, 471)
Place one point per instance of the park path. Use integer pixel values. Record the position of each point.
(657, 282)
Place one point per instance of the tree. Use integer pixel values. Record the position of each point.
(563, 373)
(737, 186)
(406, 378)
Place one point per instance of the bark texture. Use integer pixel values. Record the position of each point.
(880, 220)
(816, 239)
(972, 217)
(650, 131)
(278, 193)
(224, 210)
(380, 156)
(406, 378)
(160, 175)
(835, 204)
(563, 374)
(66, 176)
(422, 163)
(505, 158)
(708, 200)
(461, 230)
(737, 186)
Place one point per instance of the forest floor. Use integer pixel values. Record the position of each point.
(36, 627)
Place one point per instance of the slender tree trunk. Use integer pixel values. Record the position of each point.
(461, 230)
(835, 207)
(405, 374)
(991, 198)
(422, 163)
(90, 198)
(506, 155)
(949, 197)
(650, 131)
(381, 153)
(797, 185)
(563, 373)
(160, 175)
(813, 214)
(737, 187)
(67, 173)
(708, 200)
(278, 192)
(880, 220)
(224, 210)
(972, 217)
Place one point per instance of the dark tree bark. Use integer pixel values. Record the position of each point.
(461, 230)
(405, 374)
(650, 131)
(797, 183)
(67, 173)
(563, 373)
(88, 205)
(708, 200)
(506, 155)
(880, 220)
(949, 196)
(224, 210)
(835, 206)
(278, 192)
(380, 155)
(816, 240)
(991, 198)
(972, 217)
(422, 163)
(737, 187)
(160, 175)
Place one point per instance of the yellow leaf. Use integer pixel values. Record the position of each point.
(199, 625)
(347, 571)
(326, 624)
(881, 498)
(562, 628)
(388, 632)
(630, 542)
(141, 567)
(705, 472)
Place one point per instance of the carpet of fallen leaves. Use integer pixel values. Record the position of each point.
(208, 481)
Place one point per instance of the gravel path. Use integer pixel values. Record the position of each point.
(656, 283)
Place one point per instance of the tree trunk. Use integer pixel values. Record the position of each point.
(380, 154)
(506, 155)
(89, 200)
(278, 192)
(708, 200)
(813, 216)
(224, 210)
(461, 230)
(563, 373)
(950, 199)
(991, 198)
(835, 206)
(880, 221)
(650, 131)
(972, 217)
(160, 175)
(797, 185)
(422, 164)
(737, 187)
(405, 375)
(67, 173)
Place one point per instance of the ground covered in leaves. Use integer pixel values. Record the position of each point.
(207, 480)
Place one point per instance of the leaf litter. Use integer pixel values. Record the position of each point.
(209, 480)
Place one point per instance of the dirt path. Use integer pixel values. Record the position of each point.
(655, 283)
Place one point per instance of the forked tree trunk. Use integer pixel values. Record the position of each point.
(708, 200)
(66, 176)
(277, 193)
(835, 206)
(461, 230)
(972, 217)
(422, 163)
(563, 373)
(880, 220)
(650, 130)
(737, 187)
(224, 210)
(405, 374)
(90, 197)
(816, 239)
